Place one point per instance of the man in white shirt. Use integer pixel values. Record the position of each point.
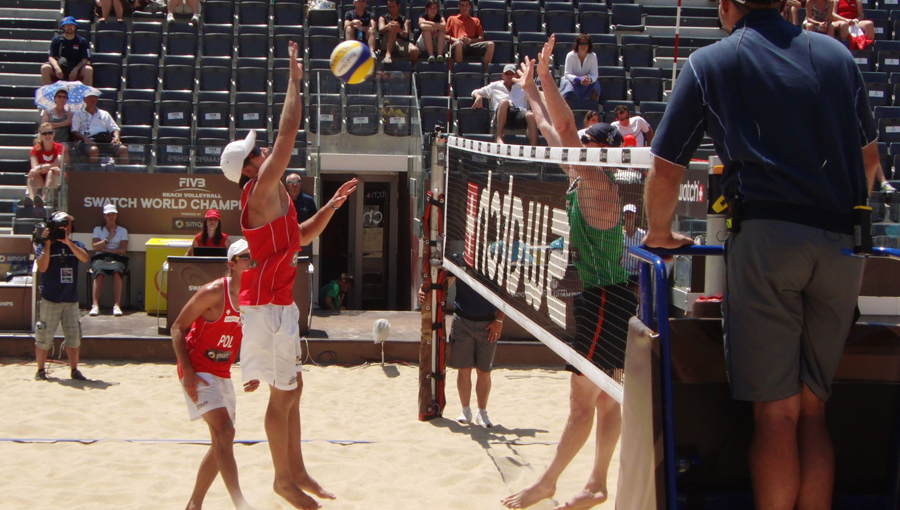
(635, 126)
(97, 132)
(510, 105)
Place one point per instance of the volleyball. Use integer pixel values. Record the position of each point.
(352, 62)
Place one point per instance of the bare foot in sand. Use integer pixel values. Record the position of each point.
(295, 496)
(306, 483)
(529, 496)
(584, 499)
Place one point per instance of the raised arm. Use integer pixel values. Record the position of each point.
(272, 170)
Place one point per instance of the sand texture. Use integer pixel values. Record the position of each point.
(135, 450)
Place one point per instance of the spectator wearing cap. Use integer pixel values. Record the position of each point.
(110, 242)
(467, 36)
(303, 203)
(97, 132)
(70, 56)
(633, 236)
(57, 261)
(210, 235)
(634, 125)
(580, 79)
(510, 106)
(333, 295)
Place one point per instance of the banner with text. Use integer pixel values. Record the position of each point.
(155, 204)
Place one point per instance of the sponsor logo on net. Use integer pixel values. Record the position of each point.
(517, 221)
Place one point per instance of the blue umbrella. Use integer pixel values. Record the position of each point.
(44, 96)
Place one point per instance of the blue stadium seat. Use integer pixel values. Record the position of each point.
(253, 13)
(559, 17)
(593, 18)
(434, 110)
(218, 12)
(361, 114)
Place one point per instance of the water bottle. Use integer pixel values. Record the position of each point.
(140, 300)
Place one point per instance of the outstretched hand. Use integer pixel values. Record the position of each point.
(296, 65)
(341, 195)
(525, 76)
(543, 68)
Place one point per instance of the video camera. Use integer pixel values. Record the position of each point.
(57, 230)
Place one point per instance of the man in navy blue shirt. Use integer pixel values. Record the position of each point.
(70, 56)
(777, 102)
(57, 260)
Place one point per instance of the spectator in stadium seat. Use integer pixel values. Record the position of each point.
(97, 133)
(59, 118)
(580, 78)
(210, 235)
(359, 25)
(596, 232)
(394, 30)
(590, 118)
(467, 36)
(333, 295)
(46, 161)
(792, 215)
(303, 203)
(847, 13)
(178, 6)
(110, 242)
(633, 125)
(477, 325)
(70, 56)
(433, 38)
(510, 105)
(116, 5)
(819, 16)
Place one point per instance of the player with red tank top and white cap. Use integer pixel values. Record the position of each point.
(271, 347)
(213, 323)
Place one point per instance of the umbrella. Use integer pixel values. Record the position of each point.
(43, 97)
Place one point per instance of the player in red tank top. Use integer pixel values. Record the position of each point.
(204, 368)
(271, 345)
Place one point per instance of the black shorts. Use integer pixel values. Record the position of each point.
(515, 118)
(601, 325)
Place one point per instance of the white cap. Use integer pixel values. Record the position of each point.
(234, 154)
(110, 208)
(629, 208)
(237, 248)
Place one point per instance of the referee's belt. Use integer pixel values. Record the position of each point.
(475, 318)
(793, 213)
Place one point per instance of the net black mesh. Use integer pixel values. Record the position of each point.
(550, 241)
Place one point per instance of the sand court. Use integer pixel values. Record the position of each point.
(363, 441)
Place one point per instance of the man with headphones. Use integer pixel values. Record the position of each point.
(792, 211)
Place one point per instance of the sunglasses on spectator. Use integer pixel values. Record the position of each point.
(46, 133)
(243, 256)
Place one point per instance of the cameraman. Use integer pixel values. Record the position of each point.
(57, 259)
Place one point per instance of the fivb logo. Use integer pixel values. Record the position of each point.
(514, 228)
(691, 191)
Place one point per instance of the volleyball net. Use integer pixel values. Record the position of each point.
(543, 233)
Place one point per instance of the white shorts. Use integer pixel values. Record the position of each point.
(219, 393)
(270, 350)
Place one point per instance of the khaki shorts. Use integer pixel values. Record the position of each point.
(51, 315)
(789, 304)
(270, 350)
(469, 345)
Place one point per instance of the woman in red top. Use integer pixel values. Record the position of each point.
(848, 13)
(205, 357)
(46, 160)
(211, 235)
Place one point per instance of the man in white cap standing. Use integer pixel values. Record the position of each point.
(57, 261)
(271, 350)
(213, 324)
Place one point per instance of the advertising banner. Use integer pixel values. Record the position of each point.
(156, 204)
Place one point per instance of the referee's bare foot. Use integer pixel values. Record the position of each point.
(584, 499)
(307, 484)
(529, 496)
(295, 496)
